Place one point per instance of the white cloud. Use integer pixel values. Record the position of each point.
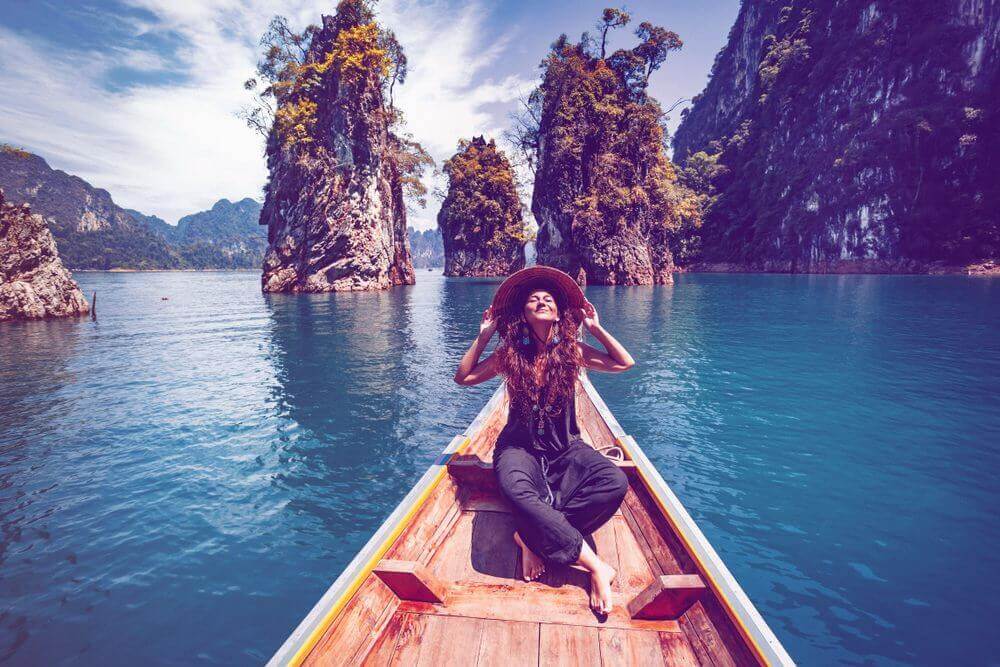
(452, 91)
(172, 149)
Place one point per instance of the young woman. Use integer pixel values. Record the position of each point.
(559, 487)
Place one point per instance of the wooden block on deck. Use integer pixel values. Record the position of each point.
(668, 597)
(470, 470)
(410, 580)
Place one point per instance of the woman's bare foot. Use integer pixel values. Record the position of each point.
(531, 565)
(600, 587)
(601, 576)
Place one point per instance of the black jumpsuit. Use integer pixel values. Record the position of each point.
(559, 487)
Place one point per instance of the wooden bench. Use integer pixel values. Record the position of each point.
(470, 470)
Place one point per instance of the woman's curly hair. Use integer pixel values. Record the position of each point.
(521, 364)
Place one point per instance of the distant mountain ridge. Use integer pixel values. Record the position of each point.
(92, 232)
(426, 248)
(225, 236)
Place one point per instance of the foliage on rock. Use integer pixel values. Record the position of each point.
(340, 168)
(607, 198)
(480, 218)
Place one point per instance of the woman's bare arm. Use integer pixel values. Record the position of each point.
(470, 369)
(616, 359)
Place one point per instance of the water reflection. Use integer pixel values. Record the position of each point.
(340, 363)
(209, 463)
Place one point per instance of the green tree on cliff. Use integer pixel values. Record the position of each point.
(480, 218)
(604, 179)
(288, 83)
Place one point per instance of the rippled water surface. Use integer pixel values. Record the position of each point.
(181, 480)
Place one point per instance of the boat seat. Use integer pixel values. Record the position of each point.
(470, 470)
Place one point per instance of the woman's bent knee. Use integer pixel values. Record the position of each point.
(519, 476)
(618, 483)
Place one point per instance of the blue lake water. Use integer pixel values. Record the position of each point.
(181, 480)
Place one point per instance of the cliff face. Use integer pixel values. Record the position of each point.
(33, 281)
(857, 135)
(92, 231)
(334, 206)
(480, 218)
(606, 199)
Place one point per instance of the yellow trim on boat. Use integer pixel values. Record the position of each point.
(680, 533)
(349, 592)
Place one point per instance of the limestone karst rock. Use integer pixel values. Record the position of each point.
(480, 218)
(606, 198)
(334, 205)
(851, 136)
(33, 281)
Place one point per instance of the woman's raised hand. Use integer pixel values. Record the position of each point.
(488, 324)
(588, 315)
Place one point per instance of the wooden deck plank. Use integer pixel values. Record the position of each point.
(663, 556)
(411, 637)
(438, 641)
(508, 643)
(588, 418)
(381, 651)
(443, 528)
(569, 646)
(634, 572)
(422, 527)
(359, 624)
(730, 635)
(627, 648)
(677, 650)
(666, 546)
(533, 602)
(704, 638)
(480, 547)
(482, 443)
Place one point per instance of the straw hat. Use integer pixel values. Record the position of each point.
(509, 296)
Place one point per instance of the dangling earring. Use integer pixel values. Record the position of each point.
(526, 340)
(555, 336)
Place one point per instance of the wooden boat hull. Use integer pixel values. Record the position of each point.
(439, 582)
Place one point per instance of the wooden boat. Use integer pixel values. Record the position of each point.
(440, 582)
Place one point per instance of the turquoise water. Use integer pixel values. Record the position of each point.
(181, 480)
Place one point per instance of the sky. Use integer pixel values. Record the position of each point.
(139, 97)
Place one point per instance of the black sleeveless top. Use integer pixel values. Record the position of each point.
(548, 434)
